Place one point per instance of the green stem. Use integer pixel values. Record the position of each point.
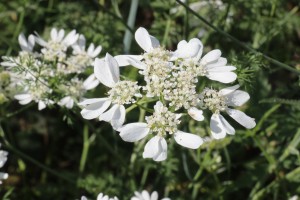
(130, 22)
(240, 43)
(37, 163)
(167, 31)
(85, 148)
(17, 30)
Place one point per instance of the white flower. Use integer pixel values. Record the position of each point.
(212, 65)
(3, 159)
(218, 101)
(121, 92)
(161, 123)
(79, 48)
(57, 46)
(101, 196)
(144, 195)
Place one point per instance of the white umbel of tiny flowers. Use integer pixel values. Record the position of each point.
(161, 123)
(101, 196)
(121, 92)
(144, 195)
(212, 65)
(218, 101)
(3, 159)
(57, 46)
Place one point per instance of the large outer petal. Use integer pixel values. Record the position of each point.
(95, 108)
(191, 49)
(217, 129)
(156, 148)
(134, 131)
(143, 38)
(115, 116)
(228, 90)
(241, 118)
(125, 60)
(196, 114)
(211, 56)
(188, 140)
(237, 98)
(223, 77)
(228, 128)
(107, 71)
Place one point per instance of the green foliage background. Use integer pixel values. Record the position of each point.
(46, 162)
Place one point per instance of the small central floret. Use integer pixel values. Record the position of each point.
(163, 121)
(157, 69)
(124, 92)
(213, 100)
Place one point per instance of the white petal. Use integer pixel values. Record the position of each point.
(25, 101)
(229, 129)
(96, 52)
(223, 77)
(81, 41)
(154, 41)
(189, 50)
(158, 107)
(125, 60)
(22, 96)
(156, 148)
(219, 63)
(211, 56)
(23, 43)
(53, 34)
(61, 34)
(134, 131)
(228, 90)
(92, 100)
(91, 82)
(237, 98)
(217, 129)
(241, 118)
(196, 114)
(41, 105)
(115, 116)
(95, 109)
(142, 37)
(188, 140)
(213, 68)
(145, 195)
(71, 38)
(154, 196)
(106, 72)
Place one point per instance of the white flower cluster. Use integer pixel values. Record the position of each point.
(3, 159)
(170, 79)
(53, 72)
(144, 195)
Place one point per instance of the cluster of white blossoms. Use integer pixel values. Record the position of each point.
(52, 71)
(170, 78)
(144, 195)
(3, 159)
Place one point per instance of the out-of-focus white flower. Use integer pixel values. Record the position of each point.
(91, 82)
(144, 195)
(57, 46)
(218, 101)
(121, 92)
(3, 159)
(161, 123)
(101, 196)
(67, 101)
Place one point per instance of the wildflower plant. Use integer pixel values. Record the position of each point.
(53, 71)
(171, 79)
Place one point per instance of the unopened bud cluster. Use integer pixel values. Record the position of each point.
(124, 92)
(212, 100)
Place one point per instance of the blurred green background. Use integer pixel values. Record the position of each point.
(45, 160)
